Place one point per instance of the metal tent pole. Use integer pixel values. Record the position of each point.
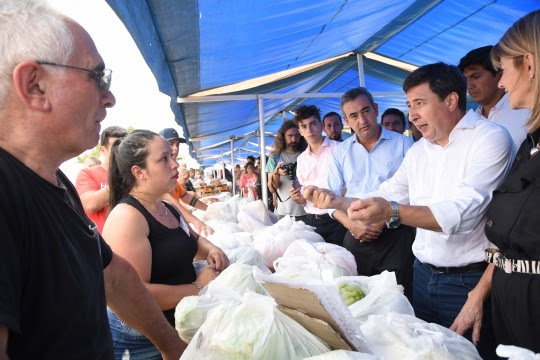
(361, 76)
(232, 165)
(262, 163)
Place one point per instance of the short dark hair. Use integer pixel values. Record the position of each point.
(352, 94)
(332, 113)
(111, 132)
(250, 159)
(480, 56)
(443, 79)
(305, 112)
(394, 111)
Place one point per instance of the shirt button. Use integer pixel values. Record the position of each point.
(518, 157)
(489, 223)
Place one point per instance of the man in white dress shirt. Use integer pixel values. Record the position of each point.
(442, 188)
(482, 86)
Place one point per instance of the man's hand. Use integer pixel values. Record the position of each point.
(470, 316)
(370, 211)
(296, 195)
(365, 232)
(323, 198)
(278, 170)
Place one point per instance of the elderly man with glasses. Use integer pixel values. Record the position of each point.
(56, 273)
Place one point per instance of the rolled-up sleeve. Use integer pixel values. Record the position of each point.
(491, 159)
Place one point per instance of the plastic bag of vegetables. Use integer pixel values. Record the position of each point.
(320, 260)
(229, 286)
(404, 337)
(272, 241)
(254, 329)
(382, 295)
(248, 256)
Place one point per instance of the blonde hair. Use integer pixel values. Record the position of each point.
(523, 37)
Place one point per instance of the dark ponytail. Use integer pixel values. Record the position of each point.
(126, 153)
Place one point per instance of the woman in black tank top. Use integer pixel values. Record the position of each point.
(152, 234)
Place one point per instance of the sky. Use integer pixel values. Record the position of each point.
(138, 101)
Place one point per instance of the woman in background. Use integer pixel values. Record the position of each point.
(248, 181)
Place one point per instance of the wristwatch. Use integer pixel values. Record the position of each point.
(393, 222)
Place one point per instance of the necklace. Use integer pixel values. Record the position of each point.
(165, 213)
(162, 214)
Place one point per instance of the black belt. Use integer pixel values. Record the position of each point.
(319, 216)
(479, 266)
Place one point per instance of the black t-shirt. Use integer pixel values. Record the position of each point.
(173, 251)
(52, 295)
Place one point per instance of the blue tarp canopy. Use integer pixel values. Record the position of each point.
(241, 47)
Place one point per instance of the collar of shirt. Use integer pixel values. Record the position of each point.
(384, 135)
(468, 121)
(495, 110)
(326, 143)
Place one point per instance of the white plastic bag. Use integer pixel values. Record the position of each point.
(191, 313)
(248, 256)
(343, 355)
(404, 337)
(516, 353)
(226, 240)
(254, 329)
(383, 295)
(320, 260)
(272, 241)
(255, 215)
(225, 211)
(237, 277)
(230, 285)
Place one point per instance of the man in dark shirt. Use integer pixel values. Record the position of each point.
(55, 269)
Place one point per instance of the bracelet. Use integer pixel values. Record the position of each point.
(199, 287)
(193, 201)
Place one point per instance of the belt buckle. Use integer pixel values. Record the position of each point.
(507, 266)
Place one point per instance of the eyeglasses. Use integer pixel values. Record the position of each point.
(103, 78)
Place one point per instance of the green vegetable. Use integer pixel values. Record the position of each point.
(350, 293)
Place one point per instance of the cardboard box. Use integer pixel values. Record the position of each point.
(305, 308)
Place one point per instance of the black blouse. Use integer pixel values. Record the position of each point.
(513, 216)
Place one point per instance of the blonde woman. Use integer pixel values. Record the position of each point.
(513, 215)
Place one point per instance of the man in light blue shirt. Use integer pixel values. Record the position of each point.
(360, 164)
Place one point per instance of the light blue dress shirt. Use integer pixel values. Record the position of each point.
(360, 171)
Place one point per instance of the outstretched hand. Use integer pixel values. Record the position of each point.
(322, 198)
(370, 211)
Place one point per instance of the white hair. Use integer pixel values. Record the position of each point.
(31, 30)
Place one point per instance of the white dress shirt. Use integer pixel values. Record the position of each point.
(360, 171)
(312, 169)
(512, 120)
(456, 182)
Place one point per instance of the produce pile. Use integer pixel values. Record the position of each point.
(235, 318)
